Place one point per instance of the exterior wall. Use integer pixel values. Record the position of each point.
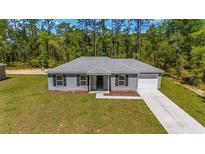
(148, 76)
(132, 84)
(2, 73)
(71, 81)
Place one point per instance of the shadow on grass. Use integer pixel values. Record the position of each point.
(7, 78)
(202, 98)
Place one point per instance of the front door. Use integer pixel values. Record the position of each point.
(99, 82)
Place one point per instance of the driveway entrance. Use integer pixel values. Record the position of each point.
(172, 117)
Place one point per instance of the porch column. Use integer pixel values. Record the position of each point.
(108, 83)
(89, 83)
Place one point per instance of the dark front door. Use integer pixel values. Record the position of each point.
(99, 82)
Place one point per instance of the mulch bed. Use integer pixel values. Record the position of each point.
(122, 93)
(68, 92)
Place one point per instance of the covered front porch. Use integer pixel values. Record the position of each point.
(99, 79)
(99, 83)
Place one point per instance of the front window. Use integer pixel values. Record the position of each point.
(83, 80)
(121, 80)
(59, 80)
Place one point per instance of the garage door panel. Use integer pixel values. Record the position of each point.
(147, 83)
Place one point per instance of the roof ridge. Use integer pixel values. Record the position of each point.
(95, 57)
(147, 64)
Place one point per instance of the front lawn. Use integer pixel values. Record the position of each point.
(27, 107)
(186, 99)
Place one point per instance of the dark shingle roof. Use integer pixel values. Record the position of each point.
(104, 65)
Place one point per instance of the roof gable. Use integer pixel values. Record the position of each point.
(98, 70)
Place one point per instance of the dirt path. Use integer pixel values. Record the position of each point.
(194, 89)
(27, 71)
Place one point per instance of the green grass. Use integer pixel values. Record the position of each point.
(202, 86)
(186, 99)
(27, 107)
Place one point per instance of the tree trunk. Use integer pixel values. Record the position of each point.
(94, 24)
(138, 43)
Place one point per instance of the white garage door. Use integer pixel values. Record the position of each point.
(148, 81)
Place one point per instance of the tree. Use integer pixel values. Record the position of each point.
(48, 25)
(62, 28)
(117, 24)
(138, 29)
(43, 41)
(4, 46)
(198, 65)
(128, 38)
(94, 25)
(184, 28)
(198, 57)
(83, 25)
(177, 46)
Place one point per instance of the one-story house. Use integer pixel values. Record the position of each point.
(2, 71)
(104, 73)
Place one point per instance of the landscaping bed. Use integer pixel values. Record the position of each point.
(122, 93)
(68, 92)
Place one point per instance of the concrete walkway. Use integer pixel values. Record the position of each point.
(100, 95)
(173, 118)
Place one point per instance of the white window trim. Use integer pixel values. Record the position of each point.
(121, 80)
(83, 80)
(59, 80)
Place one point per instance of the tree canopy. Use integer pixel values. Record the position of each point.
(177, 46)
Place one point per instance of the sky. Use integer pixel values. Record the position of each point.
(108, 23)
(72, 21)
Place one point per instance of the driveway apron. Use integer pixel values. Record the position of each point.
(172, 117)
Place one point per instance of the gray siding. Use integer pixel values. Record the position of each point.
(71, 84)
(132, 83)
(148, 76)
(2, 73)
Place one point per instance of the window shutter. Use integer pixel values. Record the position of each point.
(116, 80)
(54, 80)
(126, 80)
(78, 80)
(64, 80)
(87, 80)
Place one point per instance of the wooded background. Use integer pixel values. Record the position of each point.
(177, 46)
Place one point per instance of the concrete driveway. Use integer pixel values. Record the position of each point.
(172, 117)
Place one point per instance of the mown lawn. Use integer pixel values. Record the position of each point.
(27, 107)
(186, 99)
